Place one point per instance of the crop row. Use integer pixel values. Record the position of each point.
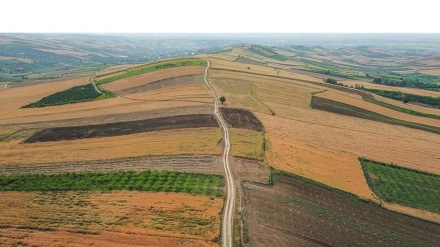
(72, 95)
(403, 186)
(124, 180)
(151, 68)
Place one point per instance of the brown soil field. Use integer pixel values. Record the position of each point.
(359, 102)
(250, 170)
(122, 212)
(296, 213)
(435, 72)
(164, 83)
(153, 76)
(124, 128)
(200, 141)
(240, 118)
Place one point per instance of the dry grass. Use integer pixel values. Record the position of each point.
(357, 101)
(173, 142)
(435, 72)
(426, 215)
(247, 143)
(116, 68)
(195, 93)
(128, 212)
(334, 168)
(152, 76)
(24, 60)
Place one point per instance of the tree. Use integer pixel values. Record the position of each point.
(222, 99)
(331, 81)
(405, 100)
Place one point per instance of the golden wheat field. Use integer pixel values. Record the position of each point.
(95, 217)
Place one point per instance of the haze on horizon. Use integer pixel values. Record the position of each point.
(228, 16)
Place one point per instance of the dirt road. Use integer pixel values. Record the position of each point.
(227, 224)
(92, 81)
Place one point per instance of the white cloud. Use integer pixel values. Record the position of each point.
(218, 16)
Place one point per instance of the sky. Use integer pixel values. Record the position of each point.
(225, 16)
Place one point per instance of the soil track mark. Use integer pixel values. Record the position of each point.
(124, 128)
(240, 118)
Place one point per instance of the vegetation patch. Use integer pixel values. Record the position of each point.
(265, 52)
(124, 128)
(72, 95)
(148, 68)
(403, 186)
(124, 180)
(405, 97)
(349, 110)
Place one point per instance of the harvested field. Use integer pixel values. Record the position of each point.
(356, 101)
(356, 137)
(164, 83)
(247, 143)
(124, 128)
(390, 88)
(248, 61)
(121, 212)
(297, 213)
(250, 170)
(240, 118)
(200, 141)
(55, 238)
(195, 93)
(152, 77)
(190, 164)
(350, 110)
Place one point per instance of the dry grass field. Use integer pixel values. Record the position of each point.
(93, 217)
(247, 143)
(390, 88)
(169, 142)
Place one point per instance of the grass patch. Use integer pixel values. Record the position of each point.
(349, 110)
(129, 180)
(247, 143)
(265, 52)
(403, 186)
(72, 95)
(149, 68)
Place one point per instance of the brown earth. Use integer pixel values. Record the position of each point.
(124, 128)
(296, 213)
(240, 118)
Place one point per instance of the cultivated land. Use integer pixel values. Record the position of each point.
(162, 120)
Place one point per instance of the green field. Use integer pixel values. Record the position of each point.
(128, 180)
(149, 68)
(398, 95)
(403, 186)
(72, 95)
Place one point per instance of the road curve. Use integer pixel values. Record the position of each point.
(4, 87)
(227, 223)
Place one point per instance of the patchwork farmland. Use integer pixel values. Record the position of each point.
(144, 166)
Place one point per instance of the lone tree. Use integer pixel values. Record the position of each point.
(222, 99)
(405, 100)
(331, 81)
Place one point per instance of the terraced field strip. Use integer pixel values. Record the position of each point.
(299, 212)
(350, 110)
(124, 128)
(403, 186)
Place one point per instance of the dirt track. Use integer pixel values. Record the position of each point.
(124, 128)
(297, 213)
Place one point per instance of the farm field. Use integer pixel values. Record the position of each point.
(169, 142)
(296, 212)
(93, 217)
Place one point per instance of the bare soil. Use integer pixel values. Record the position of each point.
(294, 212)
(124, 128)
(240, 118)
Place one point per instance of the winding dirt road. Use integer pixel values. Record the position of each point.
(227, 224)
